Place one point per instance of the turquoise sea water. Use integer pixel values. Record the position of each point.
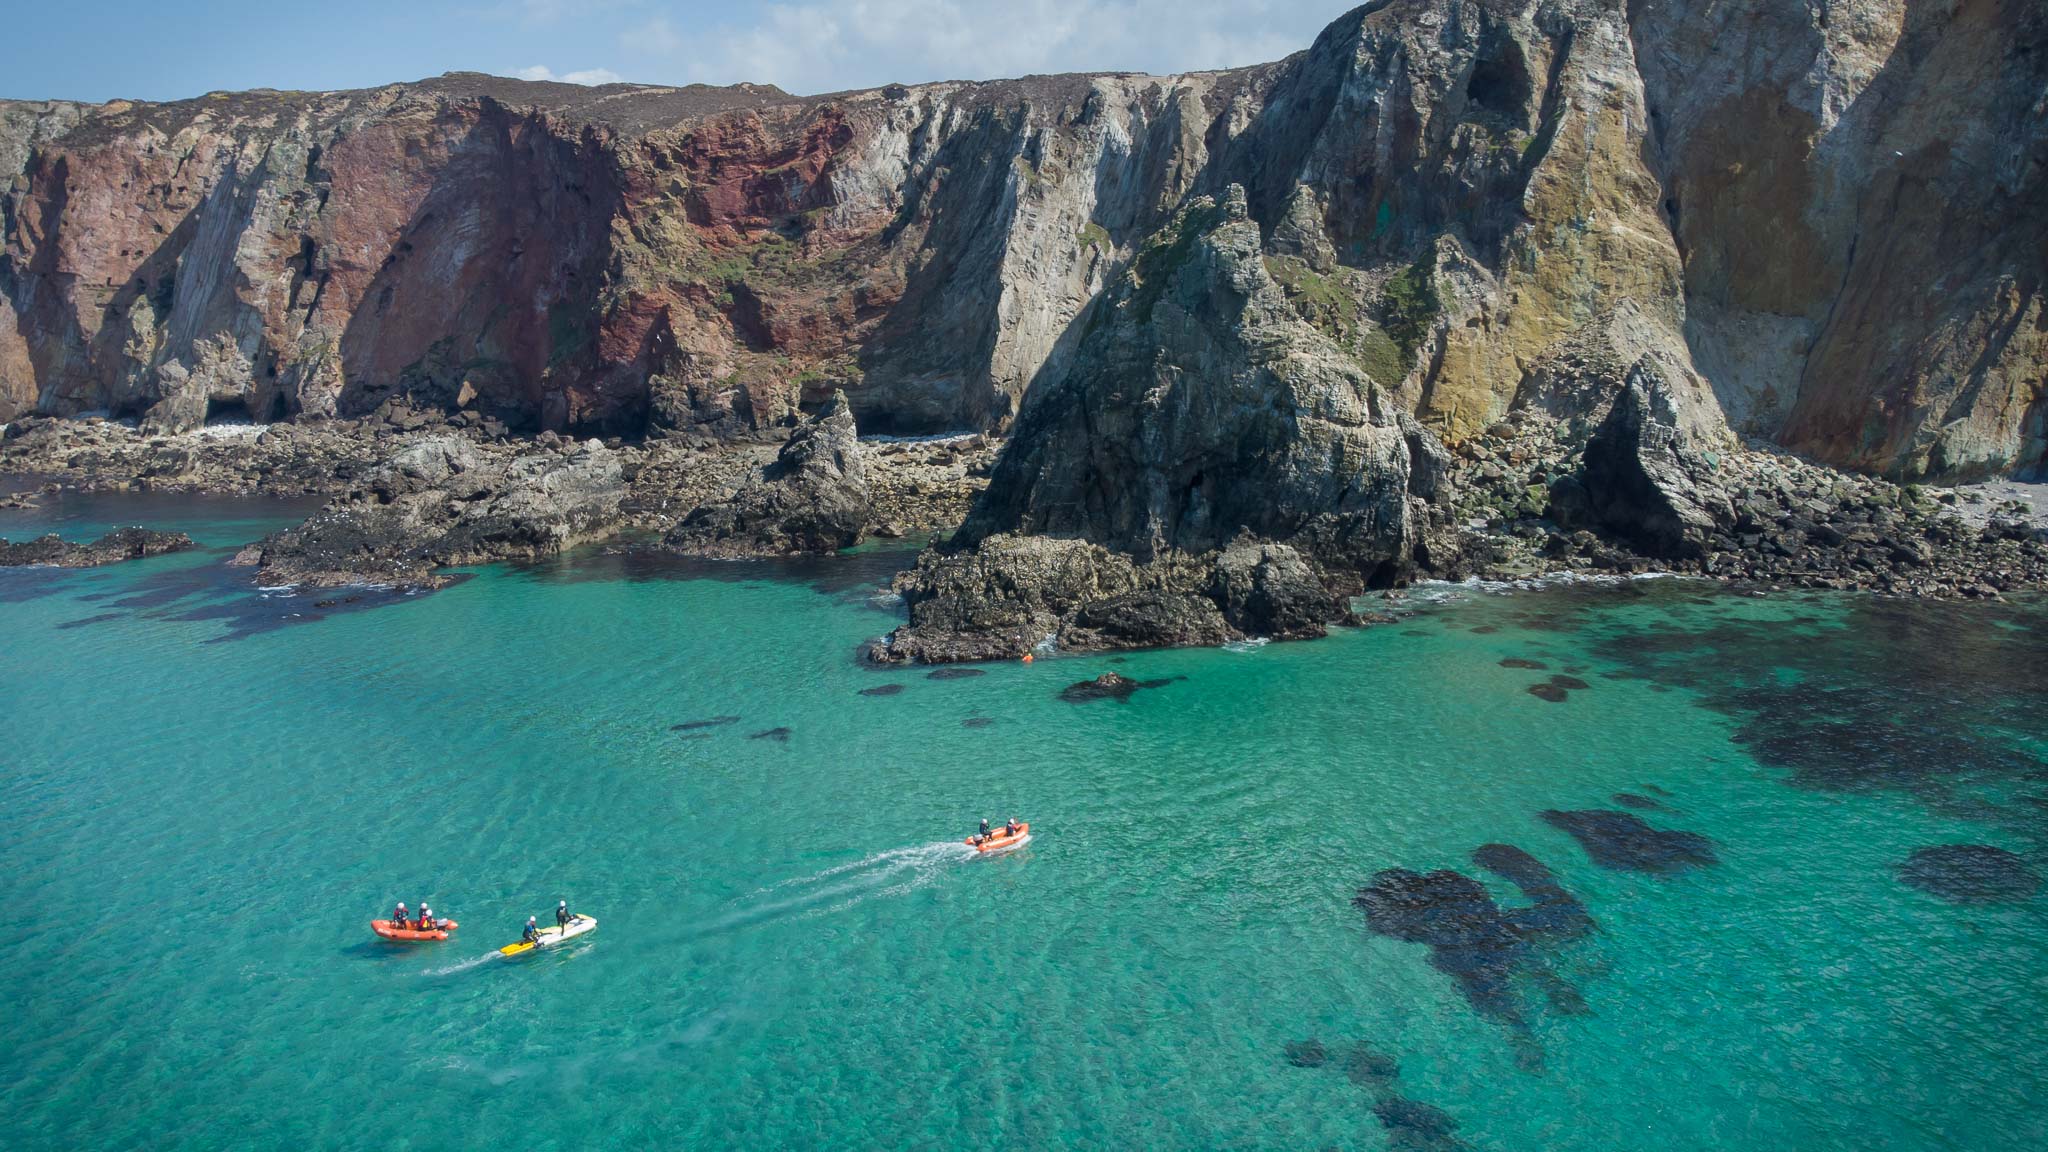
(202, 810)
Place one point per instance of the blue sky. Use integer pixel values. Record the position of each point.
(167, 49)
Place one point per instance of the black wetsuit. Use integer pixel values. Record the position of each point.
(562, 917)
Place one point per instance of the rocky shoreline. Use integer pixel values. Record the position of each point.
(413, 497)
(413, 493)
(53, 551)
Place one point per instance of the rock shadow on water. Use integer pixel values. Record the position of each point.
(1970, 874)
(883, 690)
(197, 593)
(1625, 842)
(1111, 686)
(839, 575)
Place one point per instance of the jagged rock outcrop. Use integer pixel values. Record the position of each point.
(1201, 406)
(813, 499)
(1832, 215)
(1217, 466)
(120, 544)
(444, 500)
(1011, 594)
(1645, 475)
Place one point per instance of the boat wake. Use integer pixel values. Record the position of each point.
(837, 888)
(461, 966)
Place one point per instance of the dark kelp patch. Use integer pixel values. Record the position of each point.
(1640, 803)
(713, 722)
(1306, 1053)
(1529, 665)
(1550, 692)
(1970, 874)
(1624, 842)
(1483, 947)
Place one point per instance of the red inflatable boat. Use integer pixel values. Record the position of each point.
(390, 930)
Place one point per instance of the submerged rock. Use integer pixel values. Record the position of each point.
(1569, 682)
(1631, 800)
(1970, 874)
(1518, 662)
(955, 673)
(1109, 686)
(883, 690)
(1550, 692)
(1624, 842)
(120, 544)
(780, 735)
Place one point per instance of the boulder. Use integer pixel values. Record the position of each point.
(812, 499)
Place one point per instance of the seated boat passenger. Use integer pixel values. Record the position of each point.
(532, 934)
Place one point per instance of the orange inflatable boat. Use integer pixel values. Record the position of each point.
(1001, 841)
(391, 931)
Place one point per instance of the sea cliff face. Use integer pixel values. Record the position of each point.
(1822, 225)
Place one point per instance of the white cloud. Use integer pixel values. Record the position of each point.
(810, 46)
(583, 76)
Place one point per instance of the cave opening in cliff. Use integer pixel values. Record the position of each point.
(234, 411)
(1500, 81)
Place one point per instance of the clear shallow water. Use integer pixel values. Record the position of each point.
(792, 952)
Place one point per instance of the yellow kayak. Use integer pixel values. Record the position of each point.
(549, 937)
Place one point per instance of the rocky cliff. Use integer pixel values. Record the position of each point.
(1821, 223)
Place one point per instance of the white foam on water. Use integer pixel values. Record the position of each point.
(464, 966)
(842, 886)
(1250, 645)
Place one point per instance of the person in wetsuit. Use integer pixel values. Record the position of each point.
(982, 835)
(563, 915)
(399, 918)
(532, 934)
(1012, 828)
